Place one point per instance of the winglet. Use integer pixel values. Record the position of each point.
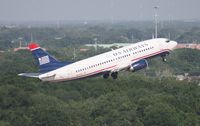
(33, 46)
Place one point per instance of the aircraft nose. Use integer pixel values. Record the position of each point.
(173, 44)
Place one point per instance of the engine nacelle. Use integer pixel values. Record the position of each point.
(138, 65)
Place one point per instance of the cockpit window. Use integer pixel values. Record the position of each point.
(167, 40)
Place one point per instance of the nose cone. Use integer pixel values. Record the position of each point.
(172, 45)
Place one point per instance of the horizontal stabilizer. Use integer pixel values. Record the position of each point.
(35, 75)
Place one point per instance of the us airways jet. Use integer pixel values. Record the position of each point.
(132, 58)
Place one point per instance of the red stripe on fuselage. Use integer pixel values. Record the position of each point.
(86, 75)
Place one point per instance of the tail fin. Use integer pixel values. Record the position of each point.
(45, 61)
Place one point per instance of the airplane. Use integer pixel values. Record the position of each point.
(132, 58)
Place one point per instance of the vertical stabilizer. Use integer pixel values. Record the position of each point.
(45, 61)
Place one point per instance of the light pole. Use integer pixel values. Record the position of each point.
(20, 41)
(74, 54)
(95, 41)
(156, 21)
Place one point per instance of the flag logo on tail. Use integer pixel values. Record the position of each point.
(44, 60)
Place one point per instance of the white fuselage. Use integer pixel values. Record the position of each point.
(112, 61)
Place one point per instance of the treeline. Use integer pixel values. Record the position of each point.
(132, 99)
(104, 33)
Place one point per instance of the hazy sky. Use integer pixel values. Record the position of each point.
(43, 10)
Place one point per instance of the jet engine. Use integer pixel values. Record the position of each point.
(141, 64)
